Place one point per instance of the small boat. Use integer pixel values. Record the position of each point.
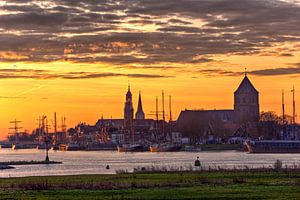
(273, 146)
(63, 147)
(74, 147)
(23, 146)
(165, 147)
(154, 148)
(130, 148)
(192, 148)
(55, 147)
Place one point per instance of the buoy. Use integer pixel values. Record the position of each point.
(197, 162)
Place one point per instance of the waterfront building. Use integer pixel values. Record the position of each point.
(226, 121)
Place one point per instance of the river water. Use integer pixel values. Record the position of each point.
(95, 162)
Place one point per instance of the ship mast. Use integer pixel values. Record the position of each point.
(55, 128)
(170, 122)
(283, 113)
(163, 113)
(294, 111)
(16, 129)
(156, 113)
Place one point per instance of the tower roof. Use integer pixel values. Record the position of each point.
(246, 86)
(140, 106)
(128, 94)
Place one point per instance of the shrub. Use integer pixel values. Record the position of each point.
(278, 165)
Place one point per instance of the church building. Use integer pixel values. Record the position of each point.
(246, 110)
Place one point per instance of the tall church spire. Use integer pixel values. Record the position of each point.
(128, 111)
(140, 113)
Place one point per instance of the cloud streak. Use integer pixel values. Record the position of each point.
(46, 74)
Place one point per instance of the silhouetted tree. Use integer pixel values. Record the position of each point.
(270, 125)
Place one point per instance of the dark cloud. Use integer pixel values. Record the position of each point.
(178, 21)
(147, 67)
(114, 31)
(261, 72)
(218, 72)
(277, 71)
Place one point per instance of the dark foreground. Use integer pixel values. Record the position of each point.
(180, 185)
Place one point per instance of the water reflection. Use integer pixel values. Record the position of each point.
(95, 162)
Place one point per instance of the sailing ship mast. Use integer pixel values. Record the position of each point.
(283, 113)
(163, 113)
(294, 111)
(170, 122)
(16, 129)
(156, 113)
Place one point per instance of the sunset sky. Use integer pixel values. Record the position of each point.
(77, 57)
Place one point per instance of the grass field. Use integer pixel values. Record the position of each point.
(181, 185)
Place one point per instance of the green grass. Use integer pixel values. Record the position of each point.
(186, 185)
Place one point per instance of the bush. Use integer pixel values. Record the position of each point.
(278, 165)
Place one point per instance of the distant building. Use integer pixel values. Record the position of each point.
(246, 110)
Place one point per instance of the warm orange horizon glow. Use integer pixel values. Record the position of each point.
(85, 100)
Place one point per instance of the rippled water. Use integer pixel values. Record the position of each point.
(94, 162)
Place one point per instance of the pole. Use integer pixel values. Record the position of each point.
(170, 107)
(55, 128)
(283, 114)
(156, 114)
(163, 110)
(294, 111)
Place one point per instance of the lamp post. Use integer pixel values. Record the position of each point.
(47, 149)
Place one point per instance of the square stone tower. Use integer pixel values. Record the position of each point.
(246, 102)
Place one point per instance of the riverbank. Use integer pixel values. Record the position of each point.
(31, 162)
(171, 185)
(2, 167)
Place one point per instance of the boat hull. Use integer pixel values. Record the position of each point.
(130, 148)
(165, 148)
(273, 147)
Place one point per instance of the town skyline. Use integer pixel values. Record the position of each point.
(149, 106)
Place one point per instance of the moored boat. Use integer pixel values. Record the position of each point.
(192, 148)
(130, 148)
(165, 147)
(63, 147)
(273, 146)
(23, 146)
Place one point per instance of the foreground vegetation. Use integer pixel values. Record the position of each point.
(164, 185)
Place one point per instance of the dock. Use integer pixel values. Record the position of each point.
(32, 162)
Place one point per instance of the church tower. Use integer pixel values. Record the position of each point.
(246, 102)
(140, 115)
(128, 111)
